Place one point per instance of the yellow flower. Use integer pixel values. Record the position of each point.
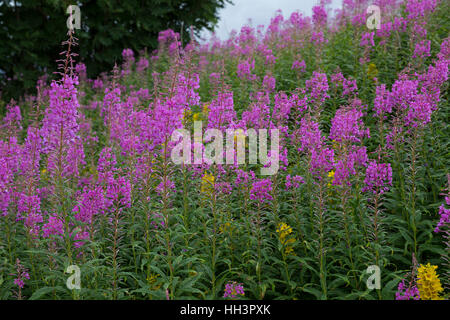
(284, 235)
(44, 171)
(196, 116)
(206, 108)
(186, 114)
(152, 281)
(207, 184)
(335, 144)
(372, 71)
(331, 176)
(428, 283)
(239, 134)
(227, 227)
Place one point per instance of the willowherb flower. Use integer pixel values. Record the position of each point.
(367, 39)
(142, 64)
(299, 65)
(90, 203)
(244, 70)
(258, 115)
(322, 161)
(433, 79)
(350, 87)
(403, 93)
(444, 53)
(269, 83)
(344, 169)
(165, 186)
(275, 22)
(318, 38)
(170, 39)
(417, 9)
(80, 70)
(378, 177)
(128, 57)
(309, 135)
(54, 227)
(347, 163)
(221, 111)
(293, 182)
(60, 128)
(359, 155)
(261, 190)
(347, 125)
(233, 290)
(319, 15)
(80, 238)
(267, 53)
(337, 78)
(444, 220)
(106, 166)
(317, 88)
(118, 192)
(282, 108)
(223, 187)
(6, 179)
(11, 123)
(21, 275)
(419, 112)
(244, 177)
(97, 84)
(394, 137)
(30, 207)
(407, 292)
(422, 49)
(383, 101)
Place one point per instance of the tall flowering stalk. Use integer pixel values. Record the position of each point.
(62, 144)
(377, 181)
(347, 131)
(21, 276)
(261, 193)
(7, 195)
(321, 218)
(409, 290)
(117, 198)
(165, 189)
(443, 226)
(320, 161)
(209, 194)
(317, 90)
(29, 201)
(428, 283)
(286, 239)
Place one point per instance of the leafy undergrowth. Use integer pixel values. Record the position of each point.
(87, 177)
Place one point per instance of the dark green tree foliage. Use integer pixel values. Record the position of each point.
(31, 32)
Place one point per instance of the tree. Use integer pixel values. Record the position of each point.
(31, 32)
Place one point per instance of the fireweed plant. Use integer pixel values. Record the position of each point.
(87, 179)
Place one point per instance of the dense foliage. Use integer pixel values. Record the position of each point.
(87, 178)
(31, 31)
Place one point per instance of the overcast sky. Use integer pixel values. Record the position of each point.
(260, 12)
